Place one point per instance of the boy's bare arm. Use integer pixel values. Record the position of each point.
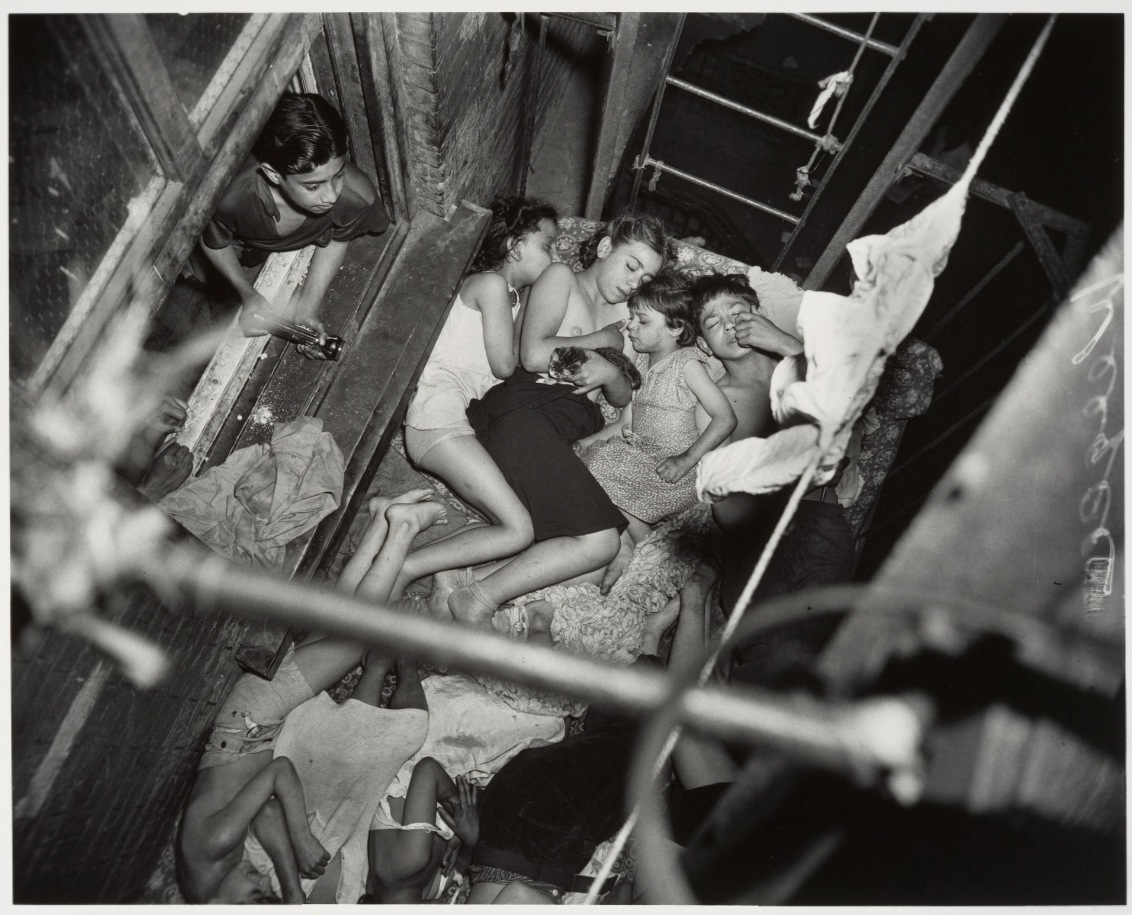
(228, 264)
(228, 826)
(324, 266)
(270, 827)
(759, 332)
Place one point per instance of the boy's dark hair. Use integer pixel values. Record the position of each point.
(628, 227)
(669, 293)
(303, 132)
(713, 285)
(513, 218)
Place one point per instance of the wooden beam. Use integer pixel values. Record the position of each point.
(613, 111)
(966, 55)
(129, 54)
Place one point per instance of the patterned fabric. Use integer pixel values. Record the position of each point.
(904, 391)
(664, 425)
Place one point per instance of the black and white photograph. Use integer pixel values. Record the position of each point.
(566, 458)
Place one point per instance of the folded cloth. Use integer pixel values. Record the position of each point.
(346, 755)
(264, 496)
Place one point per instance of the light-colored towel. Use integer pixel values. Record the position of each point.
(470, 732)
(264, 496)
(346, 756)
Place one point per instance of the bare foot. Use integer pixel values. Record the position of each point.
(656, 624)
(414, 517)
(617, 567)
(471, 605)
(167, 472)
(443, 584)
(374, 535)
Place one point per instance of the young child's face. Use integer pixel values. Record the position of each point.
(244, 884)
(717, 325)
(316, 191)
(626, 267)
(648, 330)
(535, 252)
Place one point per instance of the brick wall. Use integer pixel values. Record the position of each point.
(464, 116)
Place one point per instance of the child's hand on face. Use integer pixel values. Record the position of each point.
(674, 469)
(311, 857)
(460, 812)
(757, 332)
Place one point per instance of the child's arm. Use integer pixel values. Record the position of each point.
(759, 332)
(324, 265)
(270, 827)
(228, 826)
(489, 293)
(723, 422)
(227, 264)
(461, 814)
(546, 308)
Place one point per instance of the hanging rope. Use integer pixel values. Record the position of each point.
(804, 482)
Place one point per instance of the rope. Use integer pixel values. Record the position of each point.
(807, 476)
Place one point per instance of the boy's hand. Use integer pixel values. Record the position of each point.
(306, 313)
(311, 857)
(674, 469)
(460, 814)
(255, 304)
(758, 332)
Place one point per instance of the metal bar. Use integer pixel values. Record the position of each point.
(962, 61)
(940, 439)
(612, 113)
(766, 208)
(988, 190)
(978, 287)
(656, 106)
(882, 46)
(856, 129)
(1035, 232)
(750, 112)
(819, 731)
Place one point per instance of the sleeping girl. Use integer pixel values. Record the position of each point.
(529, 423)
(477, 348)
(645, 461)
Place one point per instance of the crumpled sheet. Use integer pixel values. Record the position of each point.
(264, 496)
(847, 340)
(608, 627)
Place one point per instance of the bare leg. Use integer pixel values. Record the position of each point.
(540, 614)
(620, 562)
(546, 563)
(465, 466)
(656, 624)
(405, 521)
(409, 692)
(326, 661)
(372, 680)
(373, 537)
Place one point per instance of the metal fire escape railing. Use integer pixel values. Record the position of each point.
(823, 142)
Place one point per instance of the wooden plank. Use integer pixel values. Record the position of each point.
(127, 50)
(351, 100)
(380, 31)
(612, 114)
(962, 61)
(364, 400)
